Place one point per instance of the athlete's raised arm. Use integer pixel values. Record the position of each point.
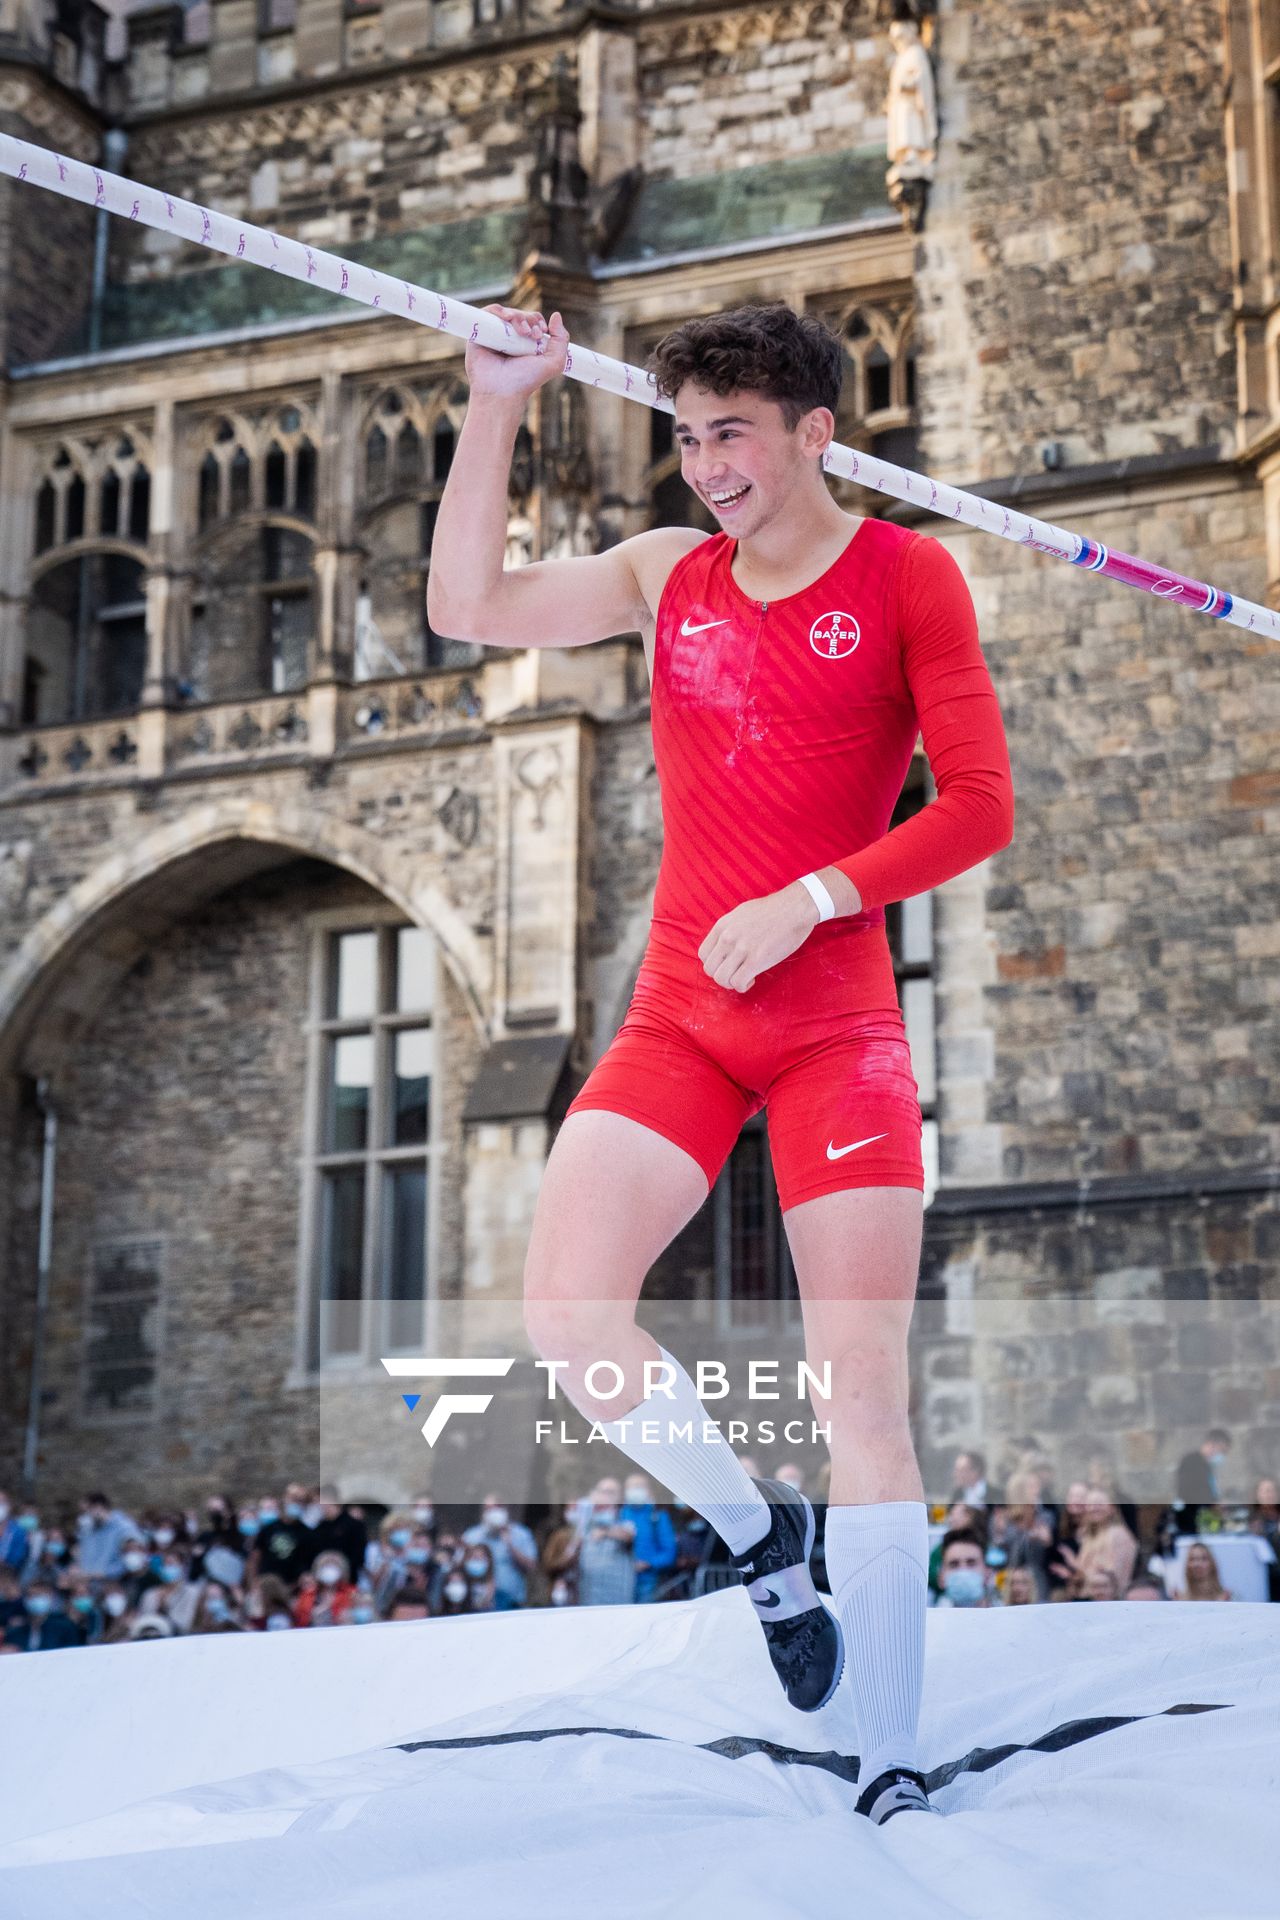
(963, 735)
(550, 603)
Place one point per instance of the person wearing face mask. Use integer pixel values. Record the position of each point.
(326, 1597)
(137, 1573)
(53, 1558)
(47, 1626)
(217, 1611)
(265, 1598)
(654, 1546)
(513, 1548)
(163, 1536)
(395, 1535)
(606, 1566)
(298, 1504)
(455, 1595)
(83, 1609)
(101, 1533)
(339, 1530)
(118, 1615)
(963, 1570)
(479, 1569)
(282, 1544)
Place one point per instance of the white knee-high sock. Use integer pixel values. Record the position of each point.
(878, 1566)
(703, 1472)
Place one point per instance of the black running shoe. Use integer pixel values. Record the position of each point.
(803, 1637)
(898, 1791)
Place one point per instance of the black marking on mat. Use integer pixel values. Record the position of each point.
(844, 1766)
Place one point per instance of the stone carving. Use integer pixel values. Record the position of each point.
(558, 186)
(539, 771)
(55, 125)
(912, 139)
(356, 112)
(460, 816)
(760, 27)
(15, 873)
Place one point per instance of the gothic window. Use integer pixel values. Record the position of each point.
(877, 411)
(95, 487)
(253, 614)
(258, 463)
(253, 602)
(408, 439)
(86, 639)
(373, 1064)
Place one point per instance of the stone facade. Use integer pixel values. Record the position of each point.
(1107, 1009)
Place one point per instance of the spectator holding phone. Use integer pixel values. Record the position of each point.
(606, 1562)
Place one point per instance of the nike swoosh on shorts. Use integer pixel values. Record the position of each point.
(689, 631)
(837, 1153)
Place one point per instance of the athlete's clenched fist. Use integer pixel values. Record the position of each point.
(757, 935)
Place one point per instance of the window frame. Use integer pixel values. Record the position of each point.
(311, 1364)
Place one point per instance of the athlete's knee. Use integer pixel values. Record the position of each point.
(577, 1331)
(869, 1394)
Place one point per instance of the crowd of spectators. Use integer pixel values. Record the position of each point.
(309, 1559)
(1014, 1542)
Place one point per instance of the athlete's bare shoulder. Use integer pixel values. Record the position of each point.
(653, 555)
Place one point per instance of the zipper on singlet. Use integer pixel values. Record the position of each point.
(745, 701)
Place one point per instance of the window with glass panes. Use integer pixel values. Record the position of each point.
(374, 1064)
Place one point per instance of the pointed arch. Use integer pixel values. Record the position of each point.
(60, 975)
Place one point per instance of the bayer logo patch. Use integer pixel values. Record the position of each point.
(834, 635)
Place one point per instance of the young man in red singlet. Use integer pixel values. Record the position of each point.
(794, 656)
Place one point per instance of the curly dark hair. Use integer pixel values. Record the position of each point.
(769, 349)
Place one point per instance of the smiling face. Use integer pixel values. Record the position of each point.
(740, 457)
(1200, 1564)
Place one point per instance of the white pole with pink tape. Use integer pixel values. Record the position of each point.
(95, 187)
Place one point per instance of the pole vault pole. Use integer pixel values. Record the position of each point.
(77, 180)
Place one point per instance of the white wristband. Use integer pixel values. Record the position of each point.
(821, 898)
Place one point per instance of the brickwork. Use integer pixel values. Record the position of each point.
(1076, 276)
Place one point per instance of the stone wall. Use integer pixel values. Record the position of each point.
(746, 86)
(46, 244)
(1075, 271)
(181, 1121)
(1130, 1014)
(1113, 1327)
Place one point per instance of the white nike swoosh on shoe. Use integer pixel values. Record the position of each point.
(836, 1153)
(689, 631)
